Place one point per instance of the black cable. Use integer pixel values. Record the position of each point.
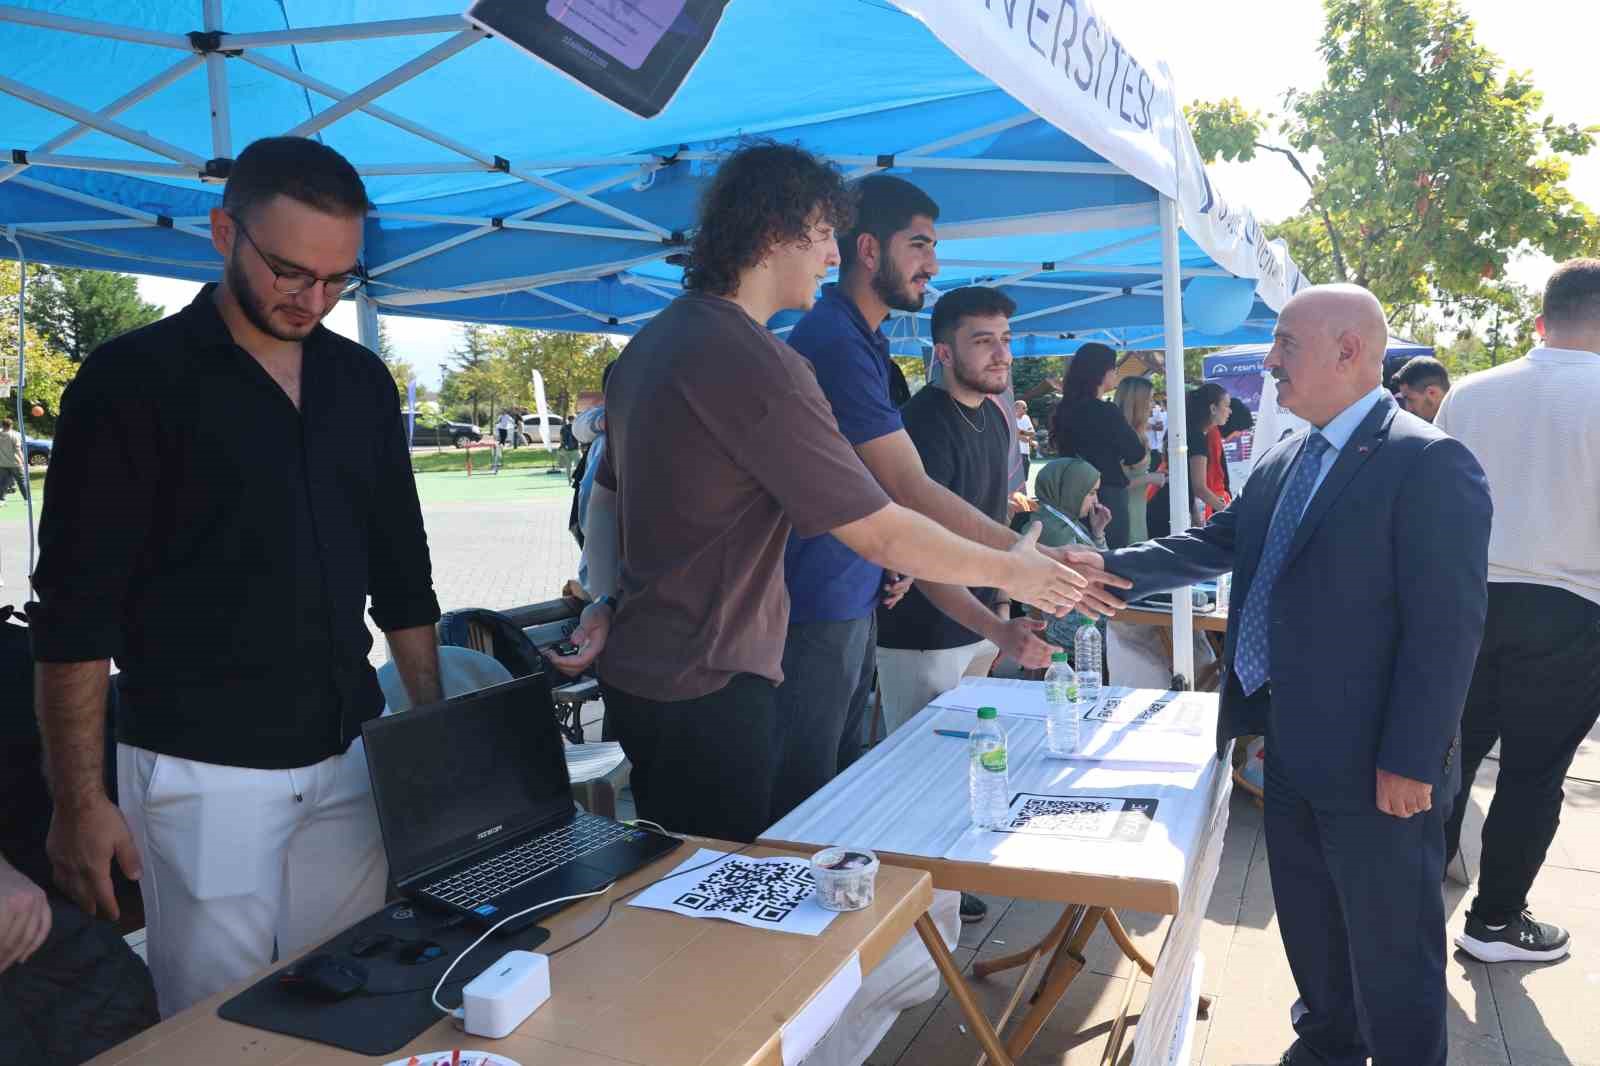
(623, 899)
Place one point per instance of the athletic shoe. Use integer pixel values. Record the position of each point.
(1520, 940)
(973, 909)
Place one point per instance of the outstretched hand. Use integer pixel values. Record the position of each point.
(1039, 579)
(1098, 598)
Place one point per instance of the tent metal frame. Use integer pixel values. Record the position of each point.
(213, 46)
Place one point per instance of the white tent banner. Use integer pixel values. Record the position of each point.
(1067, 63)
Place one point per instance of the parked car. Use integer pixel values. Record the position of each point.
(459, 434)
(38, 452)
(530, 429)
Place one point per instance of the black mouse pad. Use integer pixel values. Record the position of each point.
(395, 1007)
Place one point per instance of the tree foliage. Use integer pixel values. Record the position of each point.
(400, 369)
(78, 310)
(570, 363)
(48, 368)
(1428, 165)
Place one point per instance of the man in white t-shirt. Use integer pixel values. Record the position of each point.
(1532, 426)
(1025, 436)
(1156, 429)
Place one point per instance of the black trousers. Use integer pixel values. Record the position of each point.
(822, 705)
(703, 766)
(1362, 920)
(1535, 689)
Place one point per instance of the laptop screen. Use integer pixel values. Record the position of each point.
(463, 773)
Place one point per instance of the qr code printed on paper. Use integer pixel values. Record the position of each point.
(764, 891)
(1168, 712)
(1082, 817)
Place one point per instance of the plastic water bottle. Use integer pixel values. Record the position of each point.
(990, 783)
(1061, 719)
(1224, 592)
(1086, 658)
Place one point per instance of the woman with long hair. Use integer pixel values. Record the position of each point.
(1135, 397)
(1206, 408)
(1091, 428)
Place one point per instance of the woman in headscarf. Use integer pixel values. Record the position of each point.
(1070, 487)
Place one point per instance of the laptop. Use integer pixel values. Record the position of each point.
(476, 808)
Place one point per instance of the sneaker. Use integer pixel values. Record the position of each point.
(1521, 940)
(973, 909)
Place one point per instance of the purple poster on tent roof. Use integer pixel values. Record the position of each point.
(624, 29)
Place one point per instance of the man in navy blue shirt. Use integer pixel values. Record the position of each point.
(829, 659)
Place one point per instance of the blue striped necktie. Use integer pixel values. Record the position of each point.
(1250, 658)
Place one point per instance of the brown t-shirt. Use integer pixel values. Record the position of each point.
(720, 442)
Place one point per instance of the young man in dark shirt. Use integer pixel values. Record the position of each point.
(720, 443)
(225, 567)
(941, 632)
(886, 263)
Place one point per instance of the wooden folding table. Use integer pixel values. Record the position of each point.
(650, 987)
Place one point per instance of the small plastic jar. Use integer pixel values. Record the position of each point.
(845, 878)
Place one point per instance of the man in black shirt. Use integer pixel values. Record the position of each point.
(963, 434)
(225, 566)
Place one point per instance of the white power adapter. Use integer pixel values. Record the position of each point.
(501, 997)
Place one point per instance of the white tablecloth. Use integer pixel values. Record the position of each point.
(910, 795)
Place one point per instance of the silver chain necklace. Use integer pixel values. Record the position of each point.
(983, 416)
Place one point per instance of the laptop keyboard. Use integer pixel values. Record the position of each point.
(533, 858)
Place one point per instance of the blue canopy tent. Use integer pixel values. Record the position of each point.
(504, 192)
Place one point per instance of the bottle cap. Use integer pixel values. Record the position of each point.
(1058, 657)
(985, 713)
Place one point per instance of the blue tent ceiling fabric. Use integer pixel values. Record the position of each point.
(507, 193)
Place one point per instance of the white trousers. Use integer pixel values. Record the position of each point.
(244, 866)
(909, 680)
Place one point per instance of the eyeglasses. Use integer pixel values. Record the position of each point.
(291, 282)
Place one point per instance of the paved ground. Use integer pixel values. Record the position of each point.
(496, 541)
(502, 542)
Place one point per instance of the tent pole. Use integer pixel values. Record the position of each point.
(354, 31)
(91, 28)
(395, 78)
(83, 117)
(115, 108)
(367, 321)
(1177, 434)
(217, 83)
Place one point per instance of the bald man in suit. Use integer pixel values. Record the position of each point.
(1360, 555)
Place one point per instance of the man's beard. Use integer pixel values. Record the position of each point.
(257, 310)
(894, 289)
(976, 384)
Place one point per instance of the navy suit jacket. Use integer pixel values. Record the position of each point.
(1376, 619)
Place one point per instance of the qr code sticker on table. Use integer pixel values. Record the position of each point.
(767, 892)
(1106, 818)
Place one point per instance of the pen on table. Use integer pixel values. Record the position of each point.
(959, 734)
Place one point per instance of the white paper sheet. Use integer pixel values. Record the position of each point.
(805, 1029)
(775, 893)
(1137, 726)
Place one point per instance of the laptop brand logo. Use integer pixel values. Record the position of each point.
(491, 831)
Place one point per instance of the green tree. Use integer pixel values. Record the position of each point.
(570, 362)
(400, 369)
(470, 380)
(48, 370)
(78, 310)
(1428, 166)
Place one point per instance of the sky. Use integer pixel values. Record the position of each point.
(1250, 49)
